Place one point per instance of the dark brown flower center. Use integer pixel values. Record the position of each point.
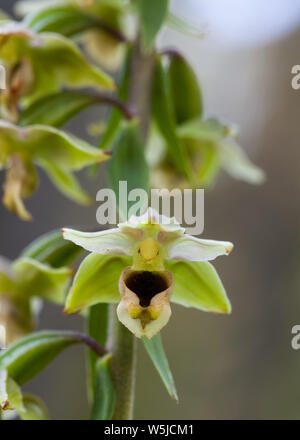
(146, 285)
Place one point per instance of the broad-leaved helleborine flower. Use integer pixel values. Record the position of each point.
(147, 262)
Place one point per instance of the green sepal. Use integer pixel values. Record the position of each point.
(66, 182)
(198, 285)
(39, 279)
(47, 143)
(66, 66)
(96, 281)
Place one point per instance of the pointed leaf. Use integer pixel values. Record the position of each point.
(152, 16)
(96, 281)
(156, 352)
(104, 401)
(197, 284)
(62, 19)
(24, 359)
(56, 109)
(52, 249)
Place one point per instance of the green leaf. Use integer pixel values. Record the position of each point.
(57, 108)
(152, 16)
(182, 26)
(128, 163)
(116, 117)
(165, 120)
(47, 143)
(52, 249)
(96, 328)
(104, 401)
(24, 359)
(39, 279)
(34, 408)
(96, 281)
(65, 20)
(197, 284)
(185, 92)
(156, 352)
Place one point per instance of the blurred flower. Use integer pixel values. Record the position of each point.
(210, 145)
(161, 264)
(23, 283)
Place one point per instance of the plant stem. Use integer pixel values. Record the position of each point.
(141, 85)
(123, 365)
(122, 342)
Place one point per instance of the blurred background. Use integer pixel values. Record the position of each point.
(240, 366)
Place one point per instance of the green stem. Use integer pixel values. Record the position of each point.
(123, 366)
(122, 343)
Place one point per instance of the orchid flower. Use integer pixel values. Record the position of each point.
(147, 262)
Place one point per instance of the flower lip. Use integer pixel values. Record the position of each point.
(146, 285)
(145, 310)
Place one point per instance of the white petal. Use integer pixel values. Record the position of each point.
(166, 224)
(196, 249)
(111, 241)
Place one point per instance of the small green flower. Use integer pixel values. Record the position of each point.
(148, 261)
(22, 285)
